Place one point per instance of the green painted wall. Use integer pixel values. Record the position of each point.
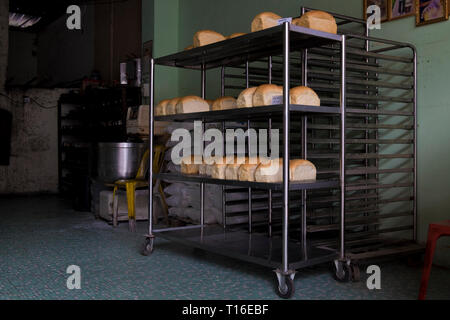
(160, 23)
(174, 31)
(148, 16)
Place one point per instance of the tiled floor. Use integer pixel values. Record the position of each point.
(41, 236)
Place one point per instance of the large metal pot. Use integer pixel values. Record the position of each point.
(119, 160)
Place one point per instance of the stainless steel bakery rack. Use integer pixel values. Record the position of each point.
(381, 165)
(289, 226)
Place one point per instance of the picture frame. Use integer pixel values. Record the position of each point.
(398, 9)
(383, 4)
(431, 11)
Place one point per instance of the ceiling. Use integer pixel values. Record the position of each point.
(48, 10)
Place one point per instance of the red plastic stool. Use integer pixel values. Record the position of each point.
(435, 231)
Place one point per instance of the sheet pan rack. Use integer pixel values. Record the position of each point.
(294, 225)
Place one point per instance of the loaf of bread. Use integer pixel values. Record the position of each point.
(317, 20)
(202, 167)
(218, 170)
(232, 170)
(189, 47)
(171, 107)
(190, 165)
(272, 172)
(245, 99)
(246, 171)
(235, 35)
(224, 103)
(304, 96)
(210, 103)
(160, 109)
(302, 170)
(205, 37)
(266, 94)
(191, 104)
(265, 20)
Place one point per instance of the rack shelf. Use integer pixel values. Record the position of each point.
(306, 185)
(255, 248)
(249, 113)
(248, 47)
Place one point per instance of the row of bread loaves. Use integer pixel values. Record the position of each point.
(264, 95)
(315, 19)
(249, 169)
(182, 105)
(271, 94)
(192, 104)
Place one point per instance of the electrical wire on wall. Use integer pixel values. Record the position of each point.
(31, 100)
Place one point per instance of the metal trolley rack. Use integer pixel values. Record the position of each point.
(286, 235)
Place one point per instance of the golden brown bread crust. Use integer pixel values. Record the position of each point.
(191, 104)
(304, 96)
(171, 107)
(318, 20)
(205, 37)
(272, 172)
(265, 20)
(265, 93)
(245, 99)
(224, 103)
(160, 109)
(189, 165)
(301, 170)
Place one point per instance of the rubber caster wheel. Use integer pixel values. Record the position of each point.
(356, 273)
(342, 271)
(148, 247)
(289, 289)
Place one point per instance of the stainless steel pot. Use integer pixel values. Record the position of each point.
(119, 160)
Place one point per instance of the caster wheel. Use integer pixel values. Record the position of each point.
(342, 271)
(148, 247)
(356, 273)
(288, 291)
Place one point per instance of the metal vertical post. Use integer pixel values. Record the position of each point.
(224, 199)
(342, 155)
(270, 69)
(222, 81)
(304, 150)
(304, 206)
(415, 144)
(224, 204)
(250, 222)
(202, 185)
(286, 123)
(150, 158)
(270, 190)
(247, 75)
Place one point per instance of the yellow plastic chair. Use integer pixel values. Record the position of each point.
(138, 183)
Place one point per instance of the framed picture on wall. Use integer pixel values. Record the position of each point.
(401, 9)
(431, 11)
(383, 4)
